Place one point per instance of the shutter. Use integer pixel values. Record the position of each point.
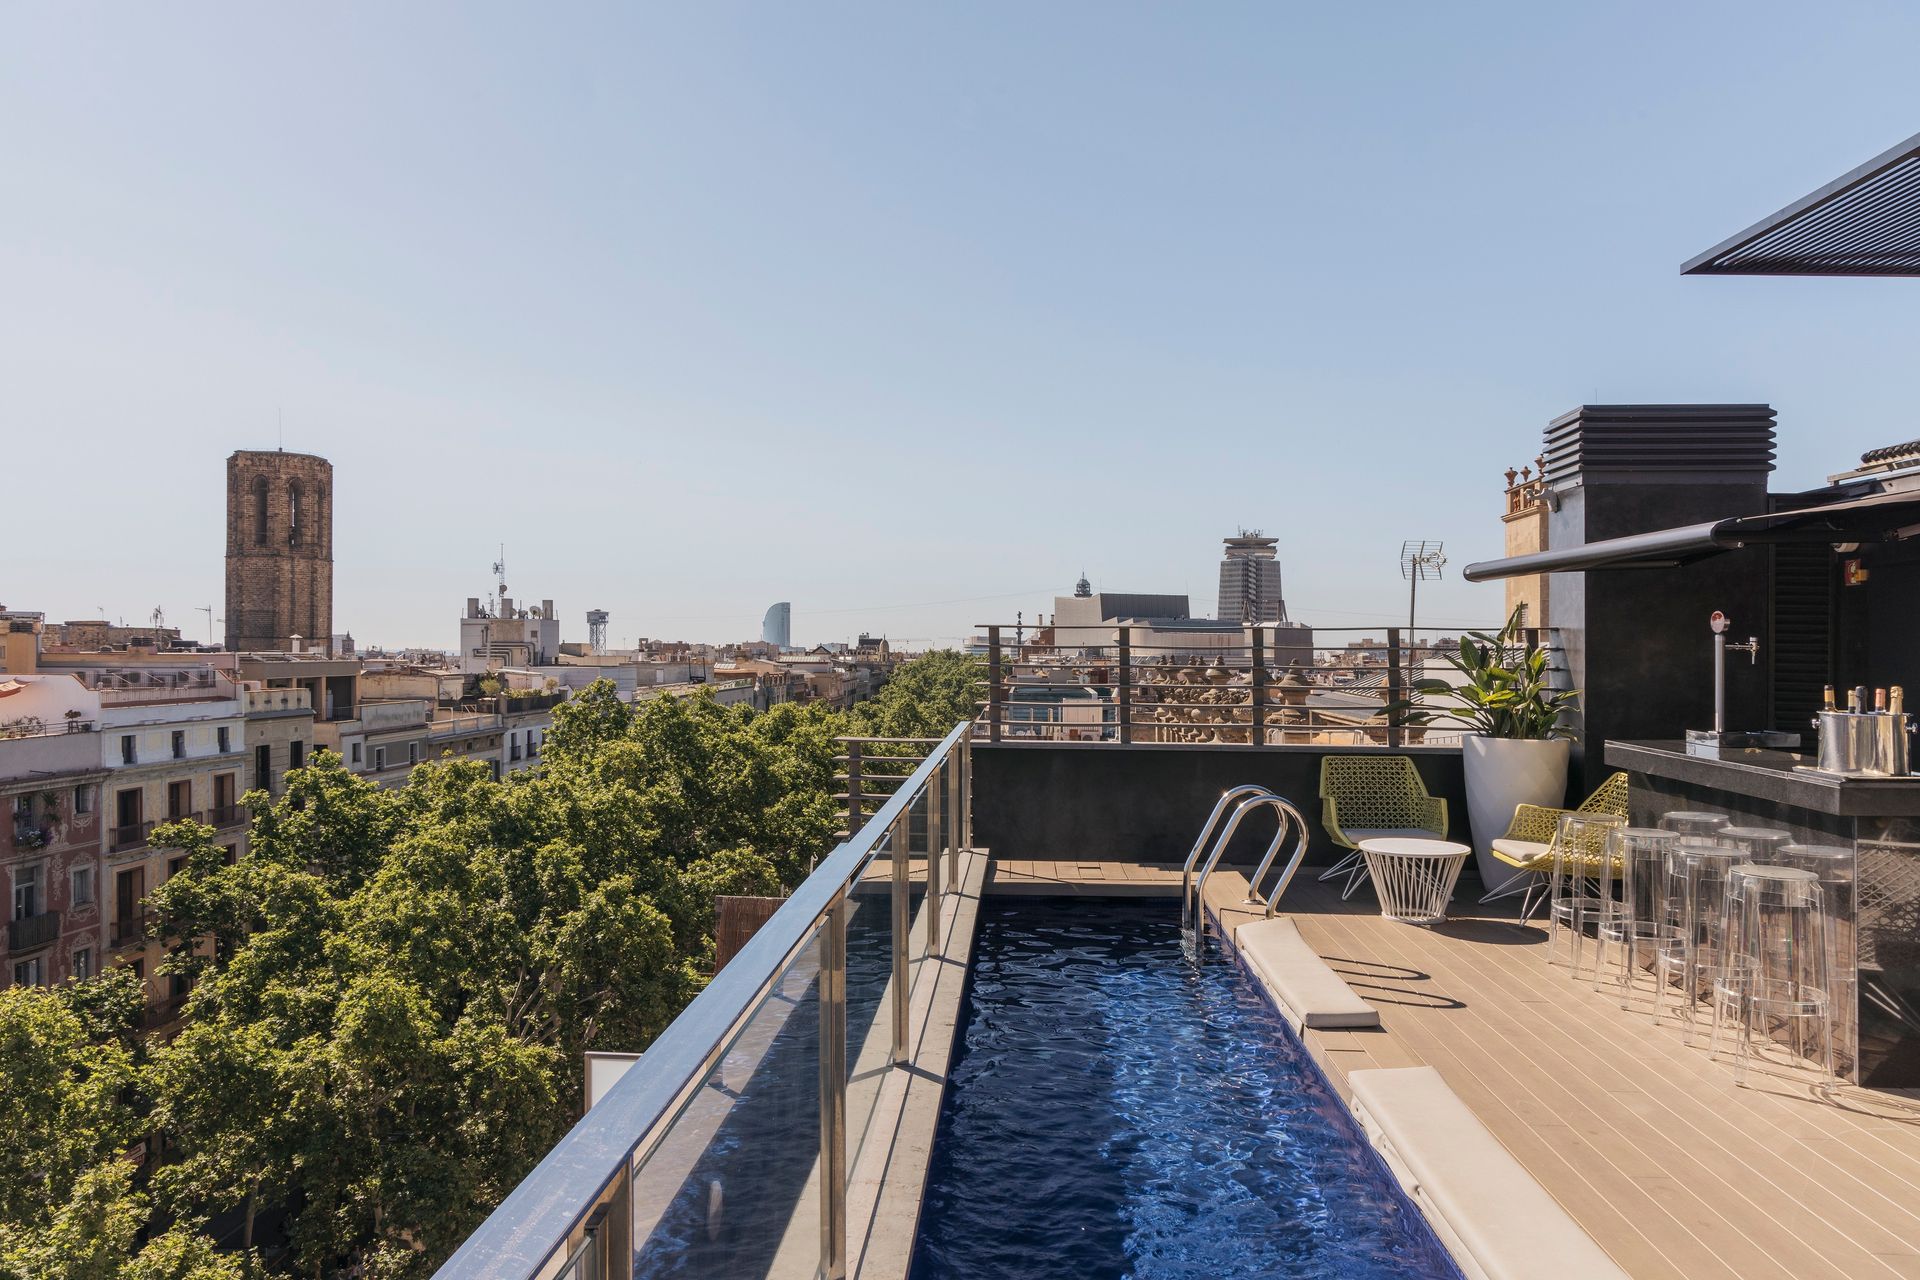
(1801, 643)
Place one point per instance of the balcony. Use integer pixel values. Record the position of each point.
(131, 930)
(222, 817)
(32, 932)
(266, 702)
(795, 1072)
(132, 835)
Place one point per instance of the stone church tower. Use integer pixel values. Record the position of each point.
(279, 550)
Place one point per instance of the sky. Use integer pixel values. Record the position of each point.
(907, 314)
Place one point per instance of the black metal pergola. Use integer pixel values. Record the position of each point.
(1864, 223)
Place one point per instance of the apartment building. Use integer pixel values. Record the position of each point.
(173, 745)
(50, 776)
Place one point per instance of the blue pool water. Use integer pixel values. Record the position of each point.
(1115, 1112)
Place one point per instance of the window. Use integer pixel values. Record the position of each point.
(82, 892)
(179, 799)
(83, 798)
(127, 806)
(296, 754)
(28, 973)
(23, 807)
(179, 744)
(293, 514)
(176, 865)
(260, 511)
(83, 963)
(413, 753)
(379, 759)
(232, 853)
(263, 767)
(127, 753)
(26, 892)
(355, 749)
(225, 735)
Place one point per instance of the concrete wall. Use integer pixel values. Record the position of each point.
(1147, 802)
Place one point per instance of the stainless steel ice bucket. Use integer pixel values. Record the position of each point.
(1863, 742)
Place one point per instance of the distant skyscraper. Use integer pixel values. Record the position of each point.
(279, 550)
(1250, 580)
(777, 627)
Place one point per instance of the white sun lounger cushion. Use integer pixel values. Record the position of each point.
(1495, 1218)
(1307, 991)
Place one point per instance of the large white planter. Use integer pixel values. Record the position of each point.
(1502, 774)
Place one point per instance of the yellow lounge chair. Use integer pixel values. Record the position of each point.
(1369, 797)
(1529, 839)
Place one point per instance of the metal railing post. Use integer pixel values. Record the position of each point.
(854, 816)
(950, 788)
(1395, 686)
(936, 848)
(1125, 672)
(902, 895)
(993, 684)
(833, 1092)
(966, 793)
(1258, 653)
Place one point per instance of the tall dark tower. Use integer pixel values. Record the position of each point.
(279, 550)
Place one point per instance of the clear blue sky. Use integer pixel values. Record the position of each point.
(872, 307)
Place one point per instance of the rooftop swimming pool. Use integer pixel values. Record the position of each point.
(1116, 1111)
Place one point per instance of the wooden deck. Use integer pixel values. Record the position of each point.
(1644, 1140)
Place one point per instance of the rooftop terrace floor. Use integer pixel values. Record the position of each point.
(1648, 1143)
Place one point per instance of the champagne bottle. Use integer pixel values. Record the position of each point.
(1899, 701)
(1828, 695)
(1880, 700)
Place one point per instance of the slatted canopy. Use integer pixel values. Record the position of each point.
(1864, 223)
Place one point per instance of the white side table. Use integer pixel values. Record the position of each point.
(1414, 878)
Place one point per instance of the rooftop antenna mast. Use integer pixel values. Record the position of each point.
(1419, 562)
(208, 610)
(500, 579)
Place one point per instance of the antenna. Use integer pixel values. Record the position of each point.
(159, 618)
(500, 572)
(1419, 562)
(208, 610)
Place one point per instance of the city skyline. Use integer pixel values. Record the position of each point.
(614, 290)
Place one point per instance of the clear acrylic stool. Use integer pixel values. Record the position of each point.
(1686, 959)
(1640, 924)
(1837, 868)
(1580, 889)
(1762, 843)
(1693, 822)
(1775, 970)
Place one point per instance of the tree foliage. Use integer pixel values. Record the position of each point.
(391, 995)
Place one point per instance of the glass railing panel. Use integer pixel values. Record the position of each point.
(870, 936)
(731, 1189)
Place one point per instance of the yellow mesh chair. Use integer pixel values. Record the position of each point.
(1527, 845)
(1374, 796)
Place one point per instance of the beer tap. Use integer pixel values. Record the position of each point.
(1751, 648)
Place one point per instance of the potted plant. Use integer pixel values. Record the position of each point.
(1515, 747)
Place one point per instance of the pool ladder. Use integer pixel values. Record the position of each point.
(1244, 800)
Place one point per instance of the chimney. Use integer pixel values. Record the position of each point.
(1635, 640)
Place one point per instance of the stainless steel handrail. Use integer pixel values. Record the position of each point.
(524, 1233)
(1196, 921)
(1289, 814)
(1206, 833)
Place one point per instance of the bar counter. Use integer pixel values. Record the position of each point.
(1877, 939)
